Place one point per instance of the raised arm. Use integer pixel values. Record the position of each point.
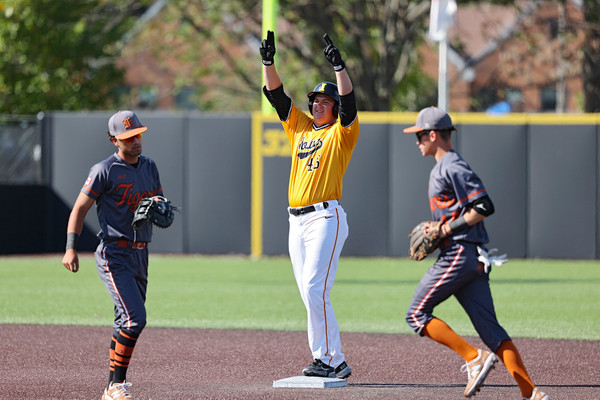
(333, 55)
(347, 111)
(267, 51)
(273, 89)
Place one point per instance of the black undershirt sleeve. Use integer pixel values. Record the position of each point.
(348, 110)
(280, 101)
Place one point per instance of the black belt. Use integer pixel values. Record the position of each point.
(306, 210)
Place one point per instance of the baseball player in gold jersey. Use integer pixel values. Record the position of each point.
(321, 147)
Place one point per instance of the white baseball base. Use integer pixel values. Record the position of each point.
(310, 382)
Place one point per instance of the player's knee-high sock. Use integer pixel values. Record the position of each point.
(511, 358)
(439, 331)
(113, 343)
(123, 350)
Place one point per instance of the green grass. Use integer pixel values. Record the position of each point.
(534, 298)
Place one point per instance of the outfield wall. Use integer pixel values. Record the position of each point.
(230, 173)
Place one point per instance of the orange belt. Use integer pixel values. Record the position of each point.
(132, 245)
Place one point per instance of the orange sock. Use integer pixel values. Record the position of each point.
(111, 366)
(439, 331)
(511, 358)
(123, 351)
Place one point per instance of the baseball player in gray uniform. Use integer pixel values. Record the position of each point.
(457, 197)
(116, 185)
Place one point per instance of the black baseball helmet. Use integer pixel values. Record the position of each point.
(326, 88)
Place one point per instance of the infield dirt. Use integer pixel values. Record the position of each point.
(71, 362)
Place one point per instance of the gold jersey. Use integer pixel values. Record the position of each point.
(319, 158)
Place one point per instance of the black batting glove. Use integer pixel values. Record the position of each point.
(267, 48)
(332, 54)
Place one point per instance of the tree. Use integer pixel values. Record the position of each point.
(59, 54)
(591, 56)
(534, 60)
(378, 40)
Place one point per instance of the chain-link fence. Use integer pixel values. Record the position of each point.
(20, 150)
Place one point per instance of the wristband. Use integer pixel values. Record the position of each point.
(72, 238)
(339, 67)
(458, 224)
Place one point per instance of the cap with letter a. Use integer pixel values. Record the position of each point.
(431, 118)
(125, 124)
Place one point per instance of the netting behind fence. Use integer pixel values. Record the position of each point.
(20, 150)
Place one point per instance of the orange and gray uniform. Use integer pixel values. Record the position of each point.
(318, 225)
(122, 255)
(453, 189)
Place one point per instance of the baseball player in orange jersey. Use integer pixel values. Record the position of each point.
(321, 150)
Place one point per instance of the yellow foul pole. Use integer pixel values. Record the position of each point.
(269, 23)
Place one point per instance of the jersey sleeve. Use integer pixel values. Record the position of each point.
(95, 184)
(467, 185)
(349, 134)
(297, 122)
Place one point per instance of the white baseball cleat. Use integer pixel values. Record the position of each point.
(537, 395)
(118, 391)
(477, 370)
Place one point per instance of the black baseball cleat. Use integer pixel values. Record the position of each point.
(343, 371)
(318, 368)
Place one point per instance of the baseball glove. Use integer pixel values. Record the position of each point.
(157, 210)
(424, 239)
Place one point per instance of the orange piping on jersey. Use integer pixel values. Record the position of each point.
(438, 202)
(89, 189)
(471, 195)
(434, 288)
(337, 230)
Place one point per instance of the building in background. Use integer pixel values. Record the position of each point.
(500, 59)
(528, 60)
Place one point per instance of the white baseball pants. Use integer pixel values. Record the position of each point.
(315, 243)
